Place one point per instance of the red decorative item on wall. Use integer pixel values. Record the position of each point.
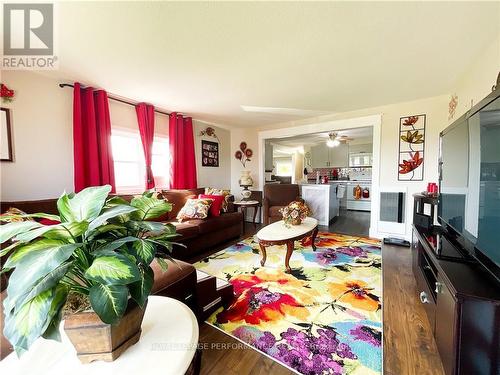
(6, 94)
(243, 154)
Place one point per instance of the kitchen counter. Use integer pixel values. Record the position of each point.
(322, 200)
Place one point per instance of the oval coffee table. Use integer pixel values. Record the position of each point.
(280, 234)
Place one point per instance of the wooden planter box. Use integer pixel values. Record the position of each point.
(95, 340)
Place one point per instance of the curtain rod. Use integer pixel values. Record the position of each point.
(118, 99)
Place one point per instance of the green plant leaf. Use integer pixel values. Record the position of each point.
(25, 249)
(68, 231)
(163, 264)
(47, 282)
(37, 232)
(110, 213)
(116, 200)
(109, 301)
(34, 265)
(86, 205)
(51, 329)
(10, 230)
(113, 269)
(148, 226)
(149, 207)
(144, 251)
(141, 289)
(7, 249)
(24, 326)
(115, 244)
(118, 231)
(38, 215)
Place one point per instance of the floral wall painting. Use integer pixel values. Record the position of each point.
(411, 148)
(243, 154)
(5, 135)
(209, 154)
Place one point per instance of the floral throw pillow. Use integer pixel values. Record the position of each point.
(15, 211)
(226, 193)
(195, 209)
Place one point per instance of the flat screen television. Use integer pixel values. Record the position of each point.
(469, 182)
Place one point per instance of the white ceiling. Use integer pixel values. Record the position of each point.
(209, 59)
(358, 135)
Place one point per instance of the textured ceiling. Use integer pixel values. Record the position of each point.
(209, 59)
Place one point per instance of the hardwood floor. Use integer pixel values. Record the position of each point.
(351, 222)
(409, 346)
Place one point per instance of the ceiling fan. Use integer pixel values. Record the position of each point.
(334, 139)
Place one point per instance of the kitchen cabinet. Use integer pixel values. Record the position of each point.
(269, 157)
(323, 156)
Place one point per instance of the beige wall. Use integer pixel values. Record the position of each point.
(250, 137)
(218, 177)
(475, 83)
(42, 138)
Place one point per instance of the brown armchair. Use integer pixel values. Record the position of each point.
(277, 196)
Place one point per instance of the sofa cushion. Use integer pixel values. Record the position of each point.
(217, 201)
(218, 222)
(195, 209)
(224, 192)
(178, 198)
(177, 271)
(185, 229)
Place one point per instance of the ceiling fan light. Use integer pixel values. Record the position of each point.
(332, 143)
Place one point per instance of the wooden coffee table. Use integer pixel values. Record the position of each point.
(279, 234)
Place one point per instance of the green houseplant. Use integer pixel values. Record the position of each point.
(101, 249)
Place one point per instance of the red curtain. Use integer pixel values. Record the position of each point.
(93, 158)
(146, 120)
(183, 161)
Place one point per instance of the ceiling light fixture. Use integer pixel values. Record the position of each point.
(332, 140)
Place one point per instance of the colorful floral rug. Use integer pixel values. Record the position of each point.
(323, 318)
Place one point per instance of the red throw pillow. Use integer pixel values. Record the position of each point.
(44, 221)
(216, 206)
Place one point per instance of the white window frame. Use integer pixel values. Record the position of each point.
(135, 189)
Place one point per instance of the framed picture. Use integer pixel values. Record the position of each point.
(411, 148)
(5, 135)
(209, 154)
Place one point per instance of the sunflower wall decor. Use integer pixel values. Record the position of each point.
(411, 148)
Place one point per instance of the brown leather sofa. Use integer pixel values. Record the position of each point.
(277, 196)
(197, 235)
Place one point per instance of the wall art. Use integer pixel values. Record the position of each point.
(209, 154)
(243, 154)
(411, 148)
(5, 135)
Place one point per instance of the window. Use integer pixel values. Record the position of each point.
(283, 167)
(130, 168)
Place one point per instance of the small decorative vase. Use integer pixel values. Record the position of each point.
(296, 221)
(245, 179)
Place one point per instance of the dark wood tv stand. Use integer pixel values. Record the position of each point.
(462, 302)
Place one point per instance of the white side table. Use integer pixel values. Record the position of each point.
(168, 345)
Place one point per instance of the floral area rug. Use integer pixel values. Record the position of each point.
(323, 318)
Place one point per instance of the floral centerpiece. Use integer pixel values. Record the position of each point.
(295, 212)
